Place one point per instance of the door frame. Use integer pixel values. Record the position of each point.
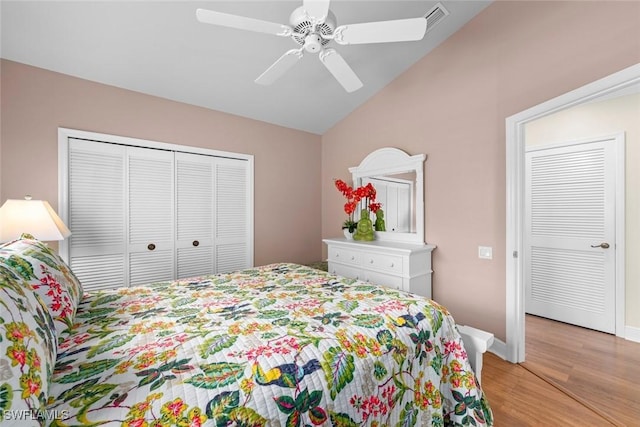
(515, 169)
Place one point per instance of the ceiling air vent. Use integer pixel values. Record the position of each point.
(435, 15)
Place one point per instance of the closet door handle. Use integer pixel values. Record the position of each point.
(151, 246)
(195, 243)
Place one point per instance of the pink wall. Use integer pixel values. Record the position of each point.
(452, 106)
(36, 102)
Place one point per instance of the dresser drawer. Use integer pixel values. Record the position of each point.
(344, 271)
(382, 279)
(345, 256)
(382, 262)
(395, 265)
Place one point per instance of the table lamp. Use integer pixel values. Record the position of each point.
(35, 217)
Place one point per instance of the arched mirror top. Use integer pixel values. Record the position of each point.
(399, 181)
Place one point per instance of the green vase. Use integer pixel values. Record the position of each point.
(364, 231)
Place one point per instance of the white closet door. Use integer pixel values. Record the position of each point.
(233, 231)
(151, 215)
(194, 209)
(96, 200)
(152, 212)
(570, 194)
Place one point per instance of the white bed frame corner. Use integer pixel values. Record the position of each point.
(476, 342)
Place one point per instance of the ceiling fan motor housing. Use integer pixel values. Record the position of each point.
(303, 24)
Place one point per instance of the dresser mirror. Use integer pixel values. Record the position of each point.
(399, 182)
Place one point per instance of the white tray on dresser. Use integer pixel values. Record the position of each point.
(405, 266)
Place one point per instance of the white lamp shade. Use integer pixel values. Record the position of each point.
(35, 217)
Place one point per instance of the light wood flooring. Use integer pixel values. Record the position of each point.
(572, 377)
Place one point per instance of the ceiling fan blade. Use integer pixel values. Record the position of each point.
(242, 23)
(317, 9)
(399, 30)
(337, 66)
(281, 66)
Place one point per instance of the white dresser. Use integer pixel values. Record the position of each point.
(405, 266)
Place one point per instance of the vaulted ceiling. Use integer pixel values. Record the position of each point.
(159, 48)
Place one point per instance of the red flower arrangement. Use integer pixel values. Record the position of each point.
(354, 197)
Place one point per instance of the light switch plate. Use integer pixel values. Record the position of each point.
(485, 252)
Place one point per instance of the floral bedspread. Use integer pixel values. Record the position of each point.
(279, 345)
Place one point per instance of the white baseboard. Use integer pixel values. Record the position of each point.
(631, 333)
(499, 348)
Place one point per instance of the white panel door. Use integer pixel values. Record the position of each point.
(96, 200)
(570, 226)
(151, 215)
(233, 231)
(194, 209)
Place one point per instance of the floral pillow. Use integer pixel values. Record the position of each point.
(48, 275)
(27, 348)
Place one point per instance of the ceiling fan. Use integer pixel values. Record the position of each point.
(313, 26)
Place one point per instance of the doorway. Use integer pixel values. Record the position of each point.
(515, 148)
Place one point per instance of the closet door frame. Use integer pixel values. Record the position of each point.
(64, 134)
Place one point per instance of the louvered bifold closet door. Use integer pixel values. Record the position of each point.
(232, 213)
(96, 203)
(194, 209)
(570, 203)
(151, 215)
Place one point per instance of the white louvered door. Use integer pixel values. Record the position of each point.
(194, 209)
(96, 199)
(232, 214)
(151, 215)
(144, 214)
(570, 204)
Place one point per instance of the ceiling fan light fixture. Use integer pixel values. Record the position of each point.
(313, 43)
(313, 26)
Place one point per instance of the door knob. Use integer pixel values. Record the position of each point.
(604, 245)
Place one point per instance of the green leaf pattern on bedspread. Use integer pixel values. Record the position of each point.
(279, 345)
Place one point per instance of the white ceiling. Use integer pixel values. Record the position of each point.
(158, 48)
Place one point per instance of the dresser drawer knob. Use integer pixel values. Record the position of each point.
(353, 257)
(370, 261)
(151, 246)
(195, 243)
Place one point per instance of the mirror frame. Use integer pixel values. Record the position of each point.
(387, 161)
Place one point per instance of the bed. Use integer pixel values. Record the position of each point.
(276, 345)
